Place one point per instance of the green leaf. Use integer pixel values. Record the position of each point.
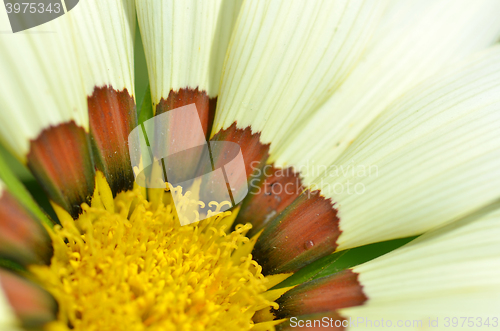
(310, 271)
(11, 265)
(17, 189)
(140, 67)
(359, 255)
(19, 169)
(339, 261)
(146, 110)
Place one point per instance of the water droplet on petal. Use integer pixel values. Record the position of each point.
(309, 244)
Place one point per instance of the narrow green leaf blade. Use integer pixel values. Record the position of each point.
(342, 260)
(146, 110)
(17, 189)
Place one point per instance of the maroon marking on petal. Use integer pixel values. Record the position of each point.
(319, 322)
(31, 304)
(22, 238)
(186, 96)
(254, 152)
(340, 290)
(304, 232)
(112, 116)
(299, 226)
(269, 196)
(61, 161)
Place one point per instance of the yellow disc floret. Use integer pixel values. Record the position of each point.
(127, 264)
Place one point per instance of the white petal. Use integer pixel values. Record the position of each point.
(104, 37)
(450, 272)
(185, 43)
(8, 321)
(432, 157)
(40, 83)
(286, 57)
(414, 40)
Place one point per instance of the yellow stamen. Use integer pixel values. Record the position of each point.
(124, 265)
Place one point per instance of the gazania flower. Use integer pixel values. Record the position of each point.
(358, 121)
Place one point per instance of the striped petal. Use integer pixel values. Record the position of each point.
(431, 158)
(285, 58)
(104, 37)
(185, 44)
(22, 238)
(436, 154)
(40, 83)
(414, 40)
(452, 271)
(407, 47)
(44, 110)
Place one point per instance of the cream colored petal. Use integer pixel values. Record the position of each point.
(104, 37)
(185, 43)
(40, 83)
(453, 311)
(414, 40)
(286, 57)
(432, 157)
(450, 272)
(8, 321)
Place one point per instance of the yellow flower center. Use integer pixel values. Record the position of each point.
(127, 264)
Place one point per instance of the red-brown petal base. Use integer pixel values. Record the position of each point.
(185, 96)
(254, 152)
(31, 304)
(305, 231)
(269, 196)
(22, 238)
(327, 294)
(300, 226)
(112, 116)
(61, 161)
